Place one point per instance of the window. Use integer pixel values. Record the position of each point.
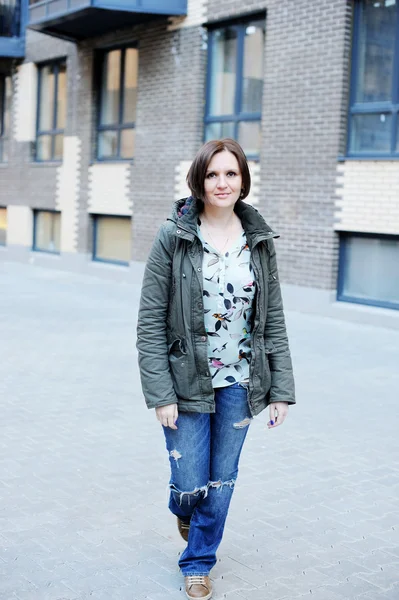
(3, 226)
(369, 269)
(5, 110)
(235, 84)
(47, 231)
(10, 18)
(112, 239)
(51, 114)
(118, 103)
(374, 123)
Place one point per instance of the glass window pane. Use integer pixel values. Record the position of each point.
(5, 109)
(108, 144)
(47, 231)
(371, 133)
(223, 72)
(372, 269)
(253, 68)
(376, 50)
(127, 143)
(113, 239)
(43, 148)
(46, 96)
(249, 136)
(2, 105)
(58, 147)
(217, 131)
(10, 18)
(3, 226)
(130, 89)
(61, 97)
(110, 88)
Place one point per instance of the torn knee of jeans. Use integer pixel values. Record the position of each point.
(175, 454)
(193, 494)
(244, 423)
(219, 485)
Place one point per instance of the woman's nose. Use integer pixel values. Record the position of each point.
(222, 182)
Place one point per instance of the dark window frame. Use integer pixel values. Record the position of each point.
(53, 132)
(95, 217)
(238, 117)
(36, 212)
(121, 125)
(3, 107)
(344, 236)
(367, 108)
(5, 239)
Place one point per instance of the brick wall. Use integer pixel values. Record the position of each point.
(303, 126)
(301, 134)
(169, 122)
(367, 197)
(22, 182)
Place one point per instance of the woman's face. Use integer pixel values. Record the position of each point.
(223, 180)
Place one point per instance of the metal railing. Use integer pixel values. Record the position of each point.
(10, 18)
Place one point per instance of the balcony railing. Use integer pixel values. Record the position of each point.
(10, 18)
(12, 38)
(80, 19)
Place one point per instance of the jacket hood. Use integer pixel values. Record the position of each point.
(185, 214)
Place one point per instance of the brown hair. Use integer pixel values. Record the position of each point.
(196, 175)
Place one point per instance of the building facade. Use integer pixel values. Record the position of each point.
(103, 109)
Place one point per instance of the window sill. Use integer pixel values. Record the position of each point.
(110, 161)
(367, 302)
(114, 263)
(369, 157)
(43, 163)
(47, 252)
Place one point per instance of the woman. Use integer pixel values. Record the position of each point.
(212, 343)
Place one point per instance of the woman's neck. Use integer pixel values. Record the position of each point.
(218, 218)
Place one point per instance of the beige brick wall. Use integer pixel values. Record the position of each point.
(67, 193)
(25, 103)
(19, 226)
(368, 197)
(197, 11)
(109, 189)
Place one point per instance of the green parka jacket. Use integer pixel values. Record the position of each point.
(172, 342)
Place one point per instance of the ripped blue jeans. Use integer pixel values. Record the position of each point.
(204, 452)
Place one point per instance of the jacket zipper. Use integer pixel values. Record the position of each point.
(259, 292)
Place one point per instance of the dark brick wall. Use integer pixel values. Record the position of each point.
(305, 98)
(303, 128)
(169, 121)
(24, 182)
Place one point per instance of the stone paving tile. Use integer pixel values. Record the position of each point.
(354, 586)
(83, 470)
(322, 593)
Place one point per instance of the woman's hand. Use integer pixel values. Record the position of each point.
(167, 415)
(277, 413)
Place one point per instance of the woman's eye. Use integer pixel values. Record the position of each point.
(231, 174)
(210, 175)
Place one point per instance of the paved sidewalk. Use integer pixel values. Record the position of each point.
(83, 470)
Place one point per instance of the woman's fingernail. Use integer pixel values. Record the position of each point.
(271, 422)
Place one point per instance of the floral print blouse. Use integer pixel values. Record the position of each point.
(229, 290)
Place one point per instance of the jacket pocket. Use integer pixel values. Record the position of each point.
(269, 349)
(178, 366)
